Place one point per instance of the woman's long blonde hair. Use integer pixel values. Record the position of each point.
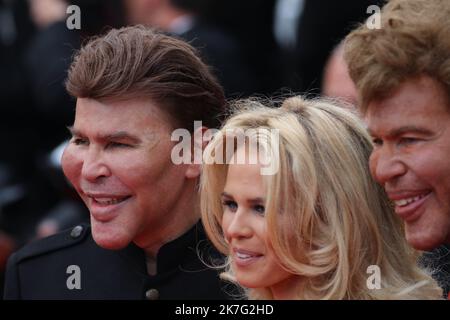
(327, 219)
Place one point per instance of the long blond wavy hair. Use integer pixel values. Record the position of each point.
(327, 219)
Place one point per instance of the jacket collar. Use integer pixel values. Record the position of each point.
(171, 255)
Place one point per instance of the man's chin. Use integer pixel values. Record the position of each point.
(423, 242)
(109, 237)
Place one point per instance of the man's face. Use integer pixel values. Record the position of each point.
(119, 162)
(411, 158)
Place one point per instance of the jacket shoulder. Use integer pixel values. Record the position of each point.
(64, 239)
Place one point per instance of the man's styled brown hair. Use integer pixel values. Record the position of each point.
(140, 62)
(414, 40)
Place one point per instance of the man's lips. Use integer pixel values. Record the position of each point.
(407, 203)
(108, 200)
(103, 207)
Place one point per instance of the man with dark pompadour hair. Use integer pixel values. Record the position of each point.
(134, 86)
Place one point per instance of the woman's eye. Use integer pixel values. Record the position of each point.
(230, 205)
(260, 209)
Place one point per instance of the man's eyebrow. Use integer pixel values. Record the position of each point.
(402, 130)
(409, 129)
(119, 135)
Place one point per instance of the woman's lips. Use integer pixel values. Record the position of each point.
(244, 258)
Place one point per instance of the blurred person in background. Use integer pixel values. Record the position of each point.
(321, 26)
(35, 51)
(251, 22)
(24, 194)
(286, 43)
(184, 19)
(336, 81)
(47, 61)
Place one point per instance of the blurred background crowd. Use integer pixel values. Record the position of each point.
(256, 47)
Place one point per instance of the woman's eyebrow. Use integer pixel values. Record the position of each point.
(226, 195)
(257, 200)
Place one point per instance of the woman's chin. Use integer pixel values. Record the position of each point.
(248, 283)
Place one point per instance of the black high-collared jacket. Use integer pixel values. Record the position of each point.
(70, 265)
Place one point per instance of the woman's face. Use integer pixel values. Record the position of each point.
(244, 225)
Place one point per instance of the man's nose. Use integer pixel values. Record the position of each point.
(240, 226)
(386, 166)
(94, 166)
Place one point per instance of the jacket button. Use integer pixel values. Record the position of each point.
(76, 232)
(152, 294)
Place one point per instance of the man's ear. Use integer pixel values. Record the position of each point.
(198, 144)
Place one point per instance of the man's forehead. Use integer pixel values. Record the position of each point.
(379, 120)
(392, 124)
(416, 117)
(108, 117)
(120, 109)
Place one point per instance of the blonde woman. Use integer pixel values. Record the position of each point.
(316, 227)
